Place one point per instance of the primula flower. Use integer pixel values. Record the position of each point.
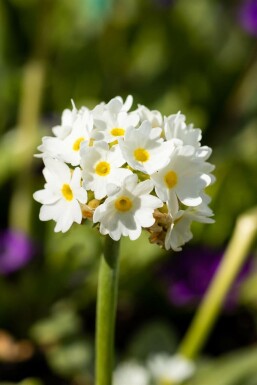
(127, 209)
(182, 178)
(141, 147)
(101, 166)
(152, 116)
(167, 369)
(129, 373)
(160, 368)
(112, 119)
(175, 127)
(61, 195)
(126, 170)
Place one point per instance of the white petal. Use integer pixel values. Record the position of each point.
(46, 196)
(58, 169)
(144, 187)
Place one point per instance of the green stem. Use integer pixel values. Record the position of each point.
(106, 311)
(231, 263)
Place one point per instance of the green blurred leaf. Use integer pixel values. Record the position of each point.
(154, 337)
(62, 323)
(228, 370)
(71, 359)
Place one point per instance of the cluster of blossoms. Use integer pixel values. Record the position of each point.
(126, 170)
(159, 369)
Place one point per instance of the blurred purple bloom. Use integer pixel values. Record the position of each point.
(16, 249)
(189, 274)
(248, 16)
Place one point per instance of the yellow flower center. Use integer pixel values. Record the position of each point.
(117, 131)
(123, 203)
(77, 143)
(141, 155)
(171, 179)
(103, 168)
(67, 192)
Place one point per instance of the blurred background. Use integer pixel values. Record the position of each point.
(198, 57)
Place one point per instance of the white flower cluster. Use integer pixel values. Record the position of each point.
(126, 170)
(160, 369)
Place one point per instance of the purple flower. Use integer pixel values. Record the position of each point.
(16, 249)
(248, 16)
(189, 274)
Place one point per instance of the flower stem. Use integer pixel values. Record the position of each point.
(106, 310)
(231, 263)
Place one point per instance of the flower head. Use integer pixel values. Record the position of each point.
(126, 170)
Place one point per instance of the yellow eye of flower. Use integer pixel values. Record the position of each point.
(123, 203)
(67, 192)
(77, 143)
(141, 155)
(103, 168)
(171, 179)
(117, 131)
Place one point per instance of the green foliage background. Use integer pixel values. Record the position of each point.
(188, 56)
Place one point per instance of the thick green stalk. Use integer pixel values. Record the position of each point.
(235, 255)
(106, 311)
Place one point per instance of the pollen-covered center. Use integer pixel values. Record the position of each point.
(77, 143)
(117, 131)
(141, 155)
(103, 168)
(67, 192)
(123, 203)
(171, 179)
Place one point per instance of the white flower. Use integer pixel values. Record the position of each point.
(178, 232)
(112, 119)
(51, 147)
(144, 149)
(169, 369)
(102, 166)
(67, 120)
(127, 209)
(61, 195)
(176, 128)
(153, 116)
(184, 177)
(131, 373)
(77, 126)
(82, 131)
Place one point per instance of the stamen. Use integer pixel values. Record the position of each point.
(77, 143)
(123, 203)
(171, 179)
(117, 131)
(141, 155)
(103, 168)
(67, 192)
